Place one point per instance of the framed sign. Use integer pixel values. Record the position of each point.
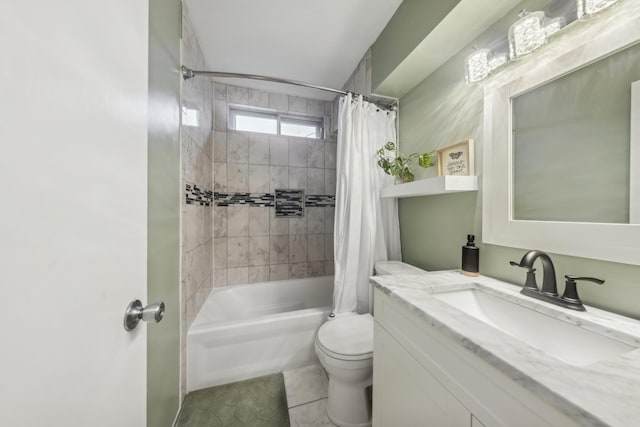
(456, 159)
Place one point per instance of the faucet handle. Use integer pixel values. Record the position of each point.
(530, 283)
(571, 292)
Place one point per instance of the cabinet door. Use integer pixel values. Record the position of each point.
(406, 394)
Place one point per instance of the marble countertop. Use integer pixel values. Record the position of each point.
(604, 393)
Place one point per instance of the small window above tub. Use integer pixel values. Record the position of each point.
(273, 123)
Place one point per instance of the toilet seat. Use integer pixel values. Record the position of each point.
(347, 338)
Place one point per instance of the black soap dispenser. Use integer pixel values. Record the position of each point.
(470, 257)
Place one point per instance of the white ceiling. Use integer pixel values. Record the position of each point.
(315, 41)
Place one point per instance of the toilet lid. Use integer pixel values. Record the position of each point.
(348, 336)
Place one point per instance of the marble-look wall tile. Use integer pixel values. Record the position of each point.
(298, 225)
(259, 251)
(237, 221)
(258, 179)
(297, 248)
(237, 147)
(238, 177)
(220, 277)
(237, 276)
(329, 214)
(279, 272)
(259, 149)
(328, 247)
(252, 244)
(315, 220)
(298, 152)
(279, 102)
(330, 182)
(297, 104)
(220, 146)
(220, 220)
(258, 98)
(237, 95)
(259, 221)
(220, 177)
(278, 178)
(315, 181)
(329, 268)
(278, 226)
(237, 252)
(259, 274)
(316, 154)
(278, 151)
(199, 147)
(315, 247)
(220, 91)
(315, 107)
(220, 115)
(219, 253)
(298, 270)
(279, 249)
(330, 155)
(297, 178)
(316, 268)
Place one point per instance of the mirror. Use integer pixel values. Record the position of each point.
(561, 145)
(571, 144)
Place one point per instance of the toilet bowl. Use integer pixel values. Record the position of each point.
(344, 347)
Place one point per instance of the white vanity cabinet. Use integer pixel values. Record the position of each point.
(423, 378)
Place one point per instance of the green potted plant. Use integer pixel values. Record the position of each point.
(396, 164)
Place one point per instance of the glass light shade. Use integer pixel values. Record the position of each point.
(527, 34)
(589, 7)
(498, 59)
(553, 25)
(477, 65)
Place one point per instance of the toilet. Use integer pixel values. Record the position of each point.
(344, 347)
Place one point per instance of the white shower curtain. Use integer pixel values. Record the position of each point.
(366, 226)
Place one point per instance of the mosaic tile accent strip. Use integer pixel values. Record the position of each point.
(249, 199)
(264, 199)
(289, 203)
(320, 201)
(195, 195)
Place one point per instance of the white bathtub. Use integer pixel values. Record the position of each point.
(246, 331)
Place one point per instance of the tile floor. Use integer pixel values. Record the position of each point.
(306, 390)
(262, 402)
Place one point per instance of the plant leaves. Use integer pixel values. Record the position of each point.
(390, 146)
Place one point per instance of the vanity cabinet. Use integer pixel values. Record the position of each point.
(411, 395)
(423, 378)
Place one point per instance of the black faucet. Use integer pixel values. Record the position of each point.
(549, 291)
(549, 286)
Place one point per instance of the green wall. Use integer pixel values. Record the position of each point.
(412, 22)
(443, 110)
(163, 251)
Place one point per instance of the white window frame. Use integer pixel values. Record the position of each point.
(315, 121)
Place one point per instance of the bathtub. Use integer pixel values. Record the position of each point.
(246, 331)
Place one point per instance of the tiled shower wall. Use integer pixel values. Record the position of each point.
(197, 175)
(250, 243)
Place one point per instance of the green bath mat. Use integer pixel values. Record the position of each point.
(258, 402)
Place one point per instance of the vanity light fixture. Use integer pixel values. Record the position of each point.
(553, 25)
(497, 60)
(589, 7)
(477, 65)
(527, 34)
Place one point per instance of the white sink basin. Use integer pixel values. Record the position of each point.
(562, 340)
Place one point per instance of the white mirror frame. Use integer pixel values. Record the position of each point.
(609, 242)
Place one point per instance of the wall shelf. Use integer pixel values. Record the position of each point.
(431, 186)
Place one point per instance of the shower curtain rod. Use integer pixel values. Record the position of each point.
(188, 74)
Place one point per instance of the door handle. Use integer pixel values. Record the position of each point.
(135, 312)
